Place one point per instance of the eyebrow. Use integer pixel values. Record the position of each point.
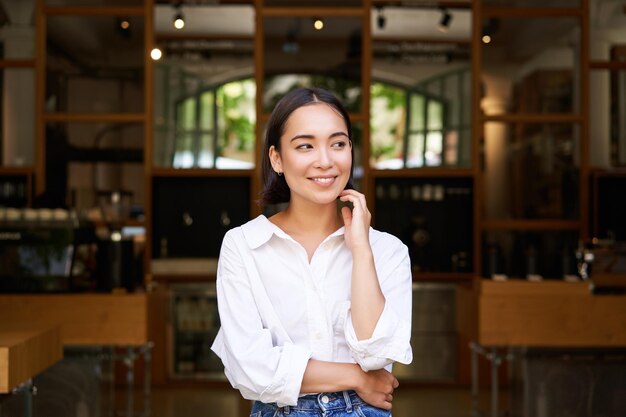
(305, 136)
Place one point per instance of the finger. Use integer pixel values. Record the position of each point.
(395, 384)
(389, 398)
(357, 203)
(358, 195)
(386, 405)
(346, 213)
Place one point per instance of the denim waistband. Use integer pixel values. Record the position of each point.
(341, 400)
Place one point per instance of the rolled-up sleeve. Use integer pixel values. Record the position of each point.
(253, 363)
(390, 340)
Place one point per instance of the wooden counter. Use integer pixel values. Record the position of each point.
(25, 352)
(84, 319)
(542, 314)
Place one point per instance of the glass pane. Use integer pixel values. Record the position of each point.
(415, 158)
(174, 86)
(387, 125)
(294, 48)
(530, 65)
(184, 155)
(434, 115)
(84, 158)
(434, 147)
(466, 97)
(206, 153)
(533, 3)
(451, 90)
(94, 54)
(520, 254)
(186, 114)
(206, 110)
(531, 171)
(433, 217)
(417, 122)
(214, 49)
(436, 72)
(17, 108)
(236, 124)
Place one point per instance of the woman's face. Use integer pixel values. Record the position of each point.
(315, 155)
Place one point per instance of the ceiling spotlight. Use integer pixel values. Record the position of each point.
(318, 24)
(444, 22)
(179, 19)
(490, 28)
(381, 20)
(124, 24)
(156, 54)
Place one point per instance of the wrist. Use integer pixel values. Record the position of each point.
(362, 252)
(357, 377)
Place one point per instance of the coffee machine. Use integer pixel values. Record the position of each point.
(115, 256)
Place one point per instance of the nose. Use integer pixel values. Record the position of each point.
(324, 158)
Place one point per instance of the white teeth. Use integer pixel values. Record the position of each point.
(323, 180)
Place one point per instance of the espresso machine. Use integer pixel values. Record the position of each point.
(115, 256)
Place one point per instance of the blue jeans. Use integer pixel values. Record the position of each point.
(326, 404)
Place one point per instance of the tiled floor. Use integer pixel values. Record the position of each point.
(409, 402)
(217, 402)
(79, 387)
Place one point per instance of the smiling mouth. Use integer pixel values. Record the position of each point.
(323, 180)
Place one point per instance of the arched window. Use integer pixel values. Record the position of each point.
(215, 127)
(426, 125)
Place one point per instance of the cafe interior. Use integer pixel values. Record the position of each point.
(487, 136)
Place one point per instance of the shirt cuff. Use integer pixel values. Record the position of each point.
(390, 341)
(292, 365)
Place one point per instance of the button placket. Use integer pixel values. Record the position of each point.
(316, 271)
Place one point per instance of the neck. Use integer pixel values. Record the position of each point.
(312, 218)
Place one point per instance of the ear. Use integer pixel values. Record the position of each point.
(275, 160)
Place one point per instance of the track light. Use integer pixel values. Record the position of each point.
(179, 19)
(381, 20)
(444, 22)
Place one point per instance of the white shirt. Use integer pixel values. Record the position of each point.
(277, 310)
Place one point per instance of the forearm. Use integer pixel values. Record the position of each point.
(367, 300)
(321, 376)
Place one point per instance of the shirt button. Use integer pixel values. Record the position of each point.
(325, 399)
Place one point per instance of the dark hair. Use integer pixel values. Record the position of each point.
(275, 188)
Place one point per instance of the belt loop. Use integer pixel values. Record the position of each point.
(346, 397)
(286, 409)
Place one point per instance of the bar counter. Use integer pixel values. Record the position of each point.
(25, 352)
(498, 315)
(544, 314)
(84, 319)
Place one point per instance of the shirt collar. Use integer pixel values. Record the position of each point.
(260, 230)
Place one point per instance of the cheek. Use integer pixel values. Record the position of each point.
(345, 160)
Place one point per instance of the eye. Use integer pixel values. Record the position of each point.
(340, 144)
(304, 146)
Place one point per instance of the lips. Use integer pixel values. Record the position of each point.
(323, 180)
